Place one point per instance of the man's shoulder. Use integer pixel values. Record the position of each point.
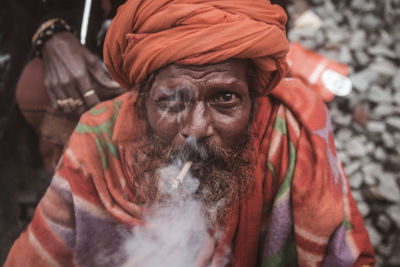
(91, 142)
(102, 117)
(303, 102)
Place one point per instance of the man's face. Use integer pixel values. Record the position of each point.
(209, 104)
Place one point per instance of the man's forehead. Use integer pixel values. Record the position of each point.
(231, 67)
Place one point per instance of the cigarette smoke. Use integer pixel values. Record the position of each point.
(175, 229)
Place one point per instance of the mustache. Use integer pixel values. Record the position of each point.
(202, 153)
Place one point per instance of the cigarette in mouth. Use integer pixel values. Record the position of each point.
(181, 175)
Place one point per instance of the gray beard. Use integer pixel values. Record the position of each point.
(225, 176)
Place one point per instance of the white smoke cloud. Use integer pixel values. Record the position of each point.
(175, 231)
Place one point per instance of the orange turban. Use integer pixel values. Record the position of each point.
(146, 35)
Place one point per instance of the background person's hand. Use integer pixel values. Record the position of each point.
(73, 76)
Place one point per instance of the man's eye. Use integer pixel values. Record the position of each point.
(171, 103)
(226, 98)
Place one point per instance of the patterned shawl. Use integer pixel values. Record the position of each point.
(301, 212)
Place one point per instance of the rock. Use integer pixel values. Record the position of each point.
(393, 122)
(358, 40)
(376, 126)
(394, 213)
(386, 247)
(394, 260)
(379, 261)
(306, 32)
(372, 168)
(396, 98)
(389, 188)
(329, 7)
(379, 95)
(374, 235)
(319, 38)
(363, 208)
(343, 120)
(383, 66)
(397, 50)
(338, 144)
(336, 36)
(396, 80)
(382, 110)
(357, 195)
(370, 22)
(393, 162)
(356, 148)
(370, 147)
(317, 2)
(384, 223)
(308, 19)
(361, 80)
(370, 180)
(351, 168)
(380, 154)
(396, 137)
(381, 50)
(329, 23)
(355, 180)
(343, 156)
(345, 56)
(354, 21)
(361, 57)
(344, 135)
(309, 44)
(386, 38)
(363, 5)
(360, 115)
(388, 140)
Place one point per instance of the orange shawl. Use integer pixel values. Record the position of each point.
(301, 212)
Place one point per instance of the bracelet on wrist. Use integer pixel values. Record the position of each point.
(46, 31)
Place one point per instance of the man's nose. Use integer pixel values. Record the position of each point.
(197, 124)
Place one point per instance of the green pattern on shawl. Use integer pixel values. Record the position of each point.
(280, 125)
(287, 182)
(106, 128)
(347, 224)
(286, 256)
(95, 111)
(271, 168)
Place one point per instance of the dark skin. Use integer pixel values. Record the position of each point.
(209, 104)
(70, 70)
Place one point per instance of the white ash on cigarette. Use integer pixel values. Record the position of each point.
(179, 178)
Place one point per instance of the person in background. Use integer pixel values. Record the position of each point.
(65, 78)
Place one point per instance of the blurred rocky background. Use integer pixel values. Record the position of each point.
(364, 34)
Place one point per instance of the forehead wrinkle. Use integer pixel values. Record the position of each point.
(223, 81)
(171, 85)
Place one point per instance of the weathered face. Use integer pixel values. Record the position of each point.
(209, 104)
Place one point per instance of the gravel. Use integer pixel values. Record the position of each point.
(365, 35)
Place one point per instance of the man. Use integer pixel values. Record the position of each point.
(207, 96)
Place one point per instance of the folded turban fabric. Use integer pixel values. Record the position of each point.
(147, 35)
